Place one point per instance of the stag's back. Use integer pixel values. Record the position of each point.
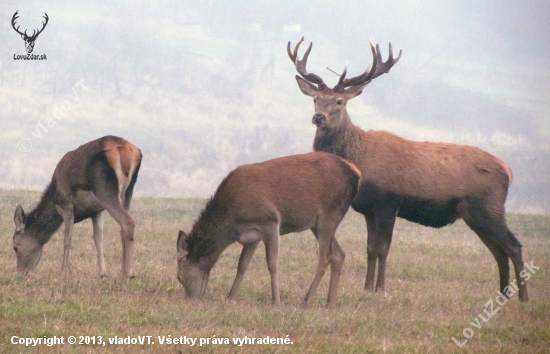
(429, 182)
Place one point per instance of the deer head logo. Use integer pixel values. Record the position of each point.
(29, 40)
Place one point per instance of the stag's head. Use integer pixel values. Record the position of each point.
(29, 40)
(330, 103)
(28, 250)
(191, 273)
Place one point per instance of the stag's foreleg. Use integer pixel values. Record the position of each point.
(244, 261)
(67, 213)
(97, 221)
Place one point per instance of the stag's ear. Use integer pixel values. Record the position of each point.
(306, 87)
(182, 241)
(354, 91)
(19, 219)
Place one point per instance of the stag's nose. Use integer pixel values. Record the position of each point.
(318, 118)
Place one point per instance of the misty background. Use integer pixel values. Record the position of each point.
(202, 87)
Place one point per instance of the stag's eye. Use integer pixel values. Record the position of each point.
(314, 100)
(339, 101)
(15, 249)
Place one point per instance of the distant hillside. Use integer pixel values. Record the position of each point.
(204, 88)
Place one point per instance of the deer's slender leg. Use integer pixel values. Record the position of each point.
(372, 256)
(244, 261)
(67, 213)
(107, 194)
(97, 221)
(271, 241)
(337, 257)
(385, 221)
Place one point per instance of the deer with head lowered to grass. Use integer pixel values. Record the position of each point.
(261, 202)
(97, 176)
(429, 183)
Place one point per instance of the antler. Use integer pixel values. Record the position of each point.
(377, 68)
(301, 64)
(15, 17)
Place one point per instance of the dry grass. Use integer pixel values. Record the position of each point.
(438, 281)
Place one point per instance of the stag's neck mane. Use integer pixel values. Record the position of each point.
(340, 141)
(42, 222)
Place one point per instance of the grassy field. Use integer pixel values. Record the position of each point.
(438, 283)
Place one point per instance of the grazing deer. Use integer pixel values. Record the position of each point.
(429, 183)
(99, 175)
(262, 201)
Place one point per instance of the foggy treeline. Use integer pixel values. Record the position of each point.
(204, 87)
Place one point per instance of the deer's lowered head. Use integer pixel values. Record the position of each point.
(28, 250)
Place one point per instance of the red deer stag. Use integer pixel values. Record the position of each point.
(99, 175)
(262, 201)
(429, 183)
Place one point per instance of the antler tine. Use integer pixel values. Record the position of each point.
(301, 64)
(378, 68)
(343, 76)
(386, 66)
(294, 54)
(367, 75)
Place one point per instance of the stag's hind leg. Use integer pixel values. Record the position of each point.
(494, 233)
(514, 249)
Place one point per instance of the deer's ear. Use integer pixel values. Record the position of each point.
(306, 87)
(354, 91)
(182, 241)
(19, 219)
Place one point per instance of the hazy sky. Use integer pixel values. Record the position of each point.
(204, 86)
